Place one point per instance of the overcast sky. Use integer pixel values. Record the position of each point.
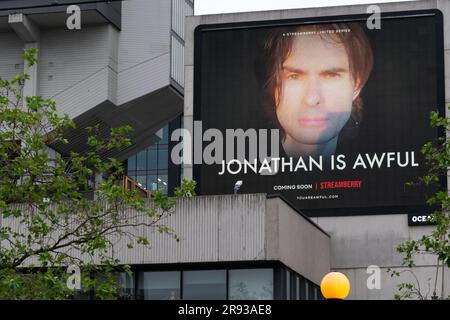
(226, 6)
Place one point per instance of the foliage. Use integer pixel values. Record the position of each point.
(437, 158)
(49, 217)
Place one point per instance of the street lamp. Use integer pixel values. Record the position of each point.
(237, 186)
(335, 285)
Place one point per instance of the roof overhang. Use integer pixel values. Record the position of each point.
(51, 13)
(146, 115)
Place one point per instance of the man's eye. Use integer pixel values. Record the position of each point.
(293, 76)
(331, 75)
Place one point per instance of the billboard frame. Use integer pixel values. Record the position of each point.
(440, 94)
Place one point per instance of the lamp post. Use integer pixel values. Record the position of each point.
(237, 186)
(335, 285)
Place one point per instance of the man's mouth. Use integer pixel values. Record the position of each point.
(312, 121)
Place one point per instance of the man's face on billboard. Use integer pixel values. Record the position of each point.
(317, 91)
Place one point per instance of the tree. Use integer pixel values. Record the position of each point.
(437, 158)
(47, 222)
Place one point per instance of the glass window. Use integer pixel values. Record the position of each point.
(126, 283)
(316, 293)
(159, 285)
(152, 159)
(165, 135)
(141, 160)
(162, 182)
(306, 290)
(132, 163)
(205, 285)
(82, 295)
(152, 182)
(251, 284)
(120, 280)
(142, 180)
(302, 294)
(311, 291)
(297, 288)
(288, 285)
(319, 293)
(153, 163)
(163, 157)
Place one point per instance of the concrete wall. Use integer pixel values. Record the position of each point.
(361, 241)
(144, 48)
(102, 75)
(80, 69)
(356, 242)
(11, 49)
(296, 242)
(77, 69)
(223, 228)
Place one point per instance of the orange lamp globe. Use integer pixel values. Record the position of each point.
(335, 285)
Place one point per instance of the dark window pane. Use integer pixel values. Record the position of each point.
(141, 160)
(302, 289)
(132, 163)
(126, 286)
(288, 285)
(152, 159)
(81, 295)
(159, 285)
(162, 183)
(163, 157)
(251, 284)
(142, 180)
(165, 136)
(311, 291)
(306, 290)
(205, 285)
(152, 182)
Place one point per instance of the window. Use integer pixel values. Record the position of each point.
(163, 157)
(159, 285)
(165, 136)
(150, 166)
(162, 182)
(311, 294)
(152, 159)
(251, 284)
(132, 163)
(302, 289)
(126, 283)
(142, 179)
(141, 160)
(307, 290)
(152, 182)
(205, 285)
(288, 285)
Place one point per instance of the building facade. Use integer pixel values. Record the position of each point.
(132, 62)
(357, 242)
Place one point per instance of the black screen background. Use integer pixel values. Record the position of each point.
(398, 97)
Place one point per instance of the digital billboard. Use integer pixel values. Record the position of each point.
(331, 113)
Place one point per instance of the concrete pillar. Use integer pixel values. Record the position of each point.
(30, 34)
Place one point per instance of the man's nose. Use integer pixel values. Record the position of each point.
(313, 93)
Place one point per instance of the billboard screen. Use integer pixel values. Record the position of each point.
(330, 113)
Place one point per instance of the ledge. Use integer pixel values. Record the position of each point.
(47, 13)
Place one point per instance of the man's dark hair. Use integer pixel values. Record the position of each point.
(278, 45)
